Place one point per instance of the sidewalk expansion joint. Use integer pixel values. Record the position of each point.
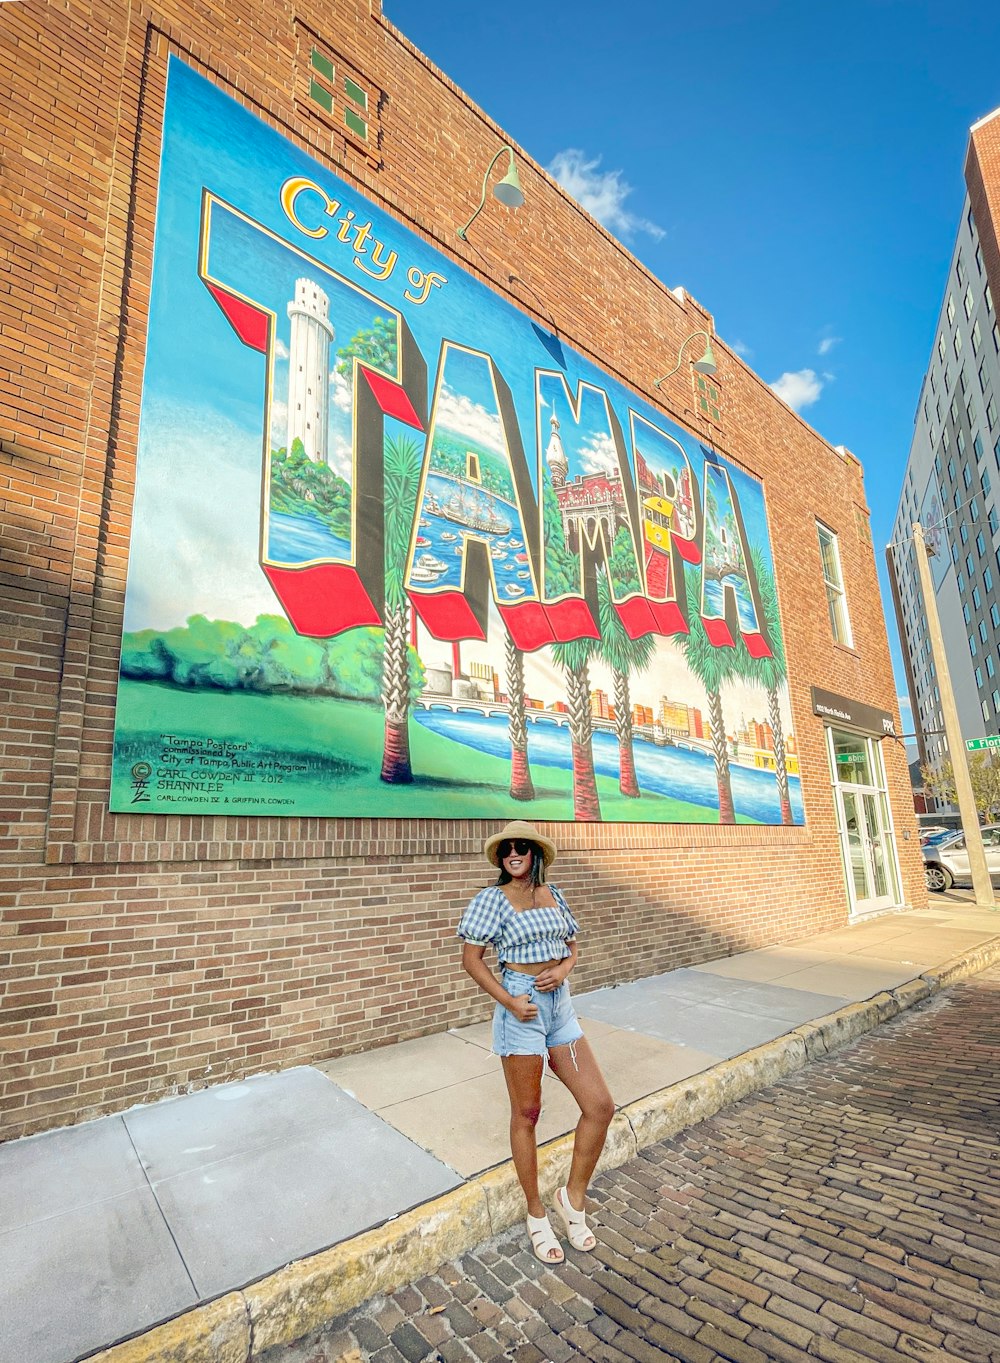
(298, 1299)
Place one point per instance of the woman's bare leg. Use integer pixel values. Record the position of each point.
(523, 1074)
(597, 1107)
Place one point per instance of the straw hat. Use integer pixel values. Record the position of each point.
(520, 829)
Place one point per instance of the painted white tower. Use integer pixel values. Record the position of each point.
(555, 455)
(309, 369)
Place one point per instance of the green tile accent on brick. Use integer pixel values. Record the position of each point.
(701, 384)
(715, 413)
(356, 93)
(321, 64)
(357, 125)
(321, 96)
(703, 404)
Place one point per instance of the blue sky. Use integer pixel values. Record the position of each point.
(797, 167)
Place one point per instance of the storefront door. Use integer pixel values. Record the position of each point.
(865, 825)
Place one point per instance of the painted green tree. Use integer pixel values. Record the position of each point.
(712, 666)
(771, 673)
(375, 345)
(267, 657)
(624, 655)
(562, 567)
(302, 487)
(402, 483)
(562, 578)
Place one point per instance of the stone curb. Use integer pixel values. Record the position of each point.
(303, 1296)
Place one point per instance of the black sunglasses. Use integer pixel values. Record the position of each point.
(519, 845)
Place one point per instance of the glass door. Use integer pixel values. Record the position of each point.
(865, 827)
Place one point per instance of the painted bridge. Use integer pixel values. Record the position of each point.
(460, 706)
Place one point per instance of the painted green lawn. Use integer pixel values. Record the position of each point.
(341, 742)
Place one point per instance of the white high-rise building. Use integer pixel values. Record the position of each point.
(309, 369)
(952, 480)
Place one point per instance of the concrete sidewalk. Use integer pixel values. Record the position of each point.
(398, 1158)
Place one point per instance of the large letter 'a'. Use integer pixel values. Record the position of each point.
(730, 597)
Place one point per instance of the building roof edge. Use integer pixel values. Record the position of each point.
(986, 118)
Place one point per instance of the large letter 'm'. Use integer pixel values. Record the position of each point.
(589, 506)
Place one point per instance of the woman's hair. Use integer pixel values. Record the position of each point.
(537, 868)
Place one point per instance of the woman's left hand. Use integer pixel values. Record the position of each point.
(549, 979)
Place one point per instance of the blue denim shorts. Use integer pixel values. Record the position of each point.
(555, 1023)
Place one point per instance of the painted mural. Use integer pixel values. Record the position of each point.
(399, 551)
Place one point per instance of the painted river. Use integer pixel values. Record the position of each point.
(663, 771)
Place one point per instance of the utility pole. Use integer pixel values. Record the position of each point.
(981, 883)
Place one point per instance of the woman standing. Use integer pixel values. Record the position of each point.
(534, 932)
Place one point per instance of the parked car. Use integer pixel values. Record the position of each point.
(946, 858)
(934, 833)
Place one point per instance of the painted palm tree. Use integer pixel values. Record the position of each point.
(402, 483)
(521, 785)
(712, 666)
(772, 673)
(623, 655)
(574, 657)
(562, 576)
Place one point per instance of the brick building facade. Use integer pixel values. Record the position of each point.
(143, 954)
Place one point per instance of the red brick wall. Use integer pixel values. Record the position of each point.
(142, 955)
(982, 178)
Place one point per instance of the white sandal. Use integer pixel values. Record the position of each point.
(543, 1240)
(578, 1232)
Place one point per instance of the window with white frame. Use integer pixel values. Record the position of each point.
(833, 580)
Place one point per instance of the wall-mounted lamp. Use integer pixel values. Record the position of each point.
(508, 190)
(706, 365)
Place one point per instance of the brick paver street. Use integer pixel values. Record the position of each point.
(849, 1214)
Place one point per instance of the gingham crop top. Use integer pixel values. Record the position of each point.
(520, 937)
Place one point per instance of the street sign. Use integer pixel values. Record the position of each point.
(974, 744)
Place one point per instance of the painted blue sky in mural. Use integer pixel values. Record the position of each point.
(798, 167)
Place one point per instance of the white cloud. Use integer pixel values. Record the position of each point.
(599, 454)
(280, 349)
(601, 193)
(340, 391)
(903, 702)
(799, 390)
(742, 349)
(279, 423)
(206, 545)
(827, 344)
(339, 454)
(465, 417)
